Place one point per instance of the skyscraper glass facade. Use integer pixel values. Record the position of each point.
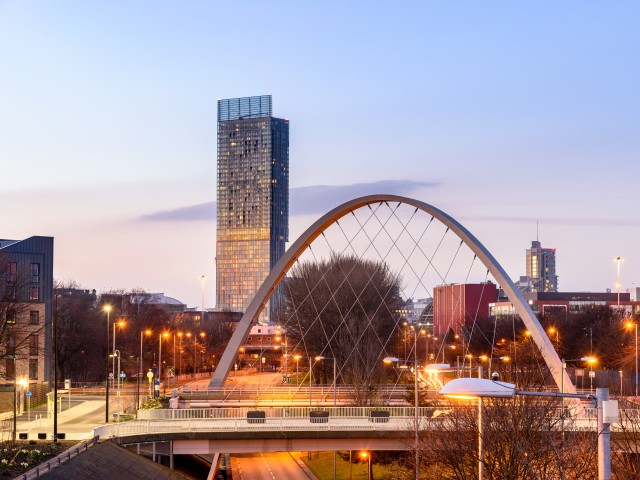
(252, 199)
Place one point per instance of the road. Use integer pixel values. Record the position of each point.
(266, 466)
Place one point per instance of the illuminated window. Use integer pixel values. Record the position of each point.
(34, 294)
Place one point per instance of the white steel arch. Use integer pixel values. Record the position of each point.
(279, 271)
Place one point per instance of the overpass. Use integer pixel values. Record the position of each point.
(229, 430)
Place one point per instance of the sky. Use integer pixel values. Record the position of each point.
(502, 114)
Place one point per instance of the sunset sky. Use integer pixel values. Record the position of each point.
(501, 114)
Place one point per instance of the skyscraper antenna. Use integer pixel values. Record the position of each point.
(537, 239)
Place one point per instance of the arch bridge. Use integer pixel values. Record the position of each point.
(374, 216)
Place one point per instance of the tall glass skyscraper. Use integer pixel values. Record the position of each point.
(253, 199)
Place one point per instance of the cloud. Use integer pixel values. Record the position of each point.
(316, 199)
(202, 211)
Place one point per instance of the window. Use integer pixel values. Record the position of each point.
(33, 369)
(35, 272)
(11, 292)
(13, 272)
(34, 294)
(268, 339)
(11, 315)
(11, 345)
(10, 368)
(34, 317)
(33, 345)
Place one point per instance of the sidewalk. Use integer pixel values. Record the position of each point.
(77, 423)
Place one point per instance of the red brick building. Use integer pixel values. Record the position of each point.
(458, 304)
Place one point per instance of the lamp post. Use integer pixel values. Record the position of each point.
(120, 324)
(367, 455)
(114, 355)
(297, 359)
(466, 388)
(416, 418)
(180, 348)
(564, 366)
(140, 370)
(106, 308)
(629, 325)
(202, 336)
(555, 330)
(618, 261)
(165, 335)
(188, 335)
(202, 278)
(321, 358)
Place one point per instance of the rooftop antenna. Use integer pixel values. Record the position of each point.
(537, 240)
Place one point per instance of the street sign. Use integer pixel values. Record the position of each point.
(29, 394)
(123, 375)
(111, 375)
(149, 375)
(67, 384)
(592, 374)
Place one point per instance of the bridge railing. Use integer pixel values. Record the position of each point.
(156, 427)
(401, 421)
(304, 412)
(317, 391)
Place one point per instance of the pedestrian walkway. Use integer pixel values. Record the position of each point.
(76, 423)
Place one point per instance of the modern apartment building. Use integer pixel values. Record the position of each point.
(26, 309)
(252, 199)
(541, 268)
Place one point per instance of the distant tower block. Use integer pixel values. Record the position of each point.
(253, 199)
(541, 268)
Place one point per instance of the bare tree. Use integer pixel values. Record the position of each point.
(521, 439)
(81, 345)
(345, 308)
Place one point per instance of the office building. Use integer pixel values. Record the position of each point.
(26, 309)
(252, 199)
(541, 268)
(559, 306)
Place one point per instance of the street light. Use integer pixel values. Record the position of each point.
(202, 278)
(367, 455)
(618, 261)
(180, 348)
(22, 382)
(297, 359)
(188, 335)
(115, 354)
(320, 358)
(470, 388)
(121, 324)
(165, 335)
(106, 308)
(416, 419)
(555, 330)
(195, 350)
(140, 370)
(629, 325)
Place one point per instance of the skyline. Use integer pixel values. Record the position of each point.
(499, 115)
